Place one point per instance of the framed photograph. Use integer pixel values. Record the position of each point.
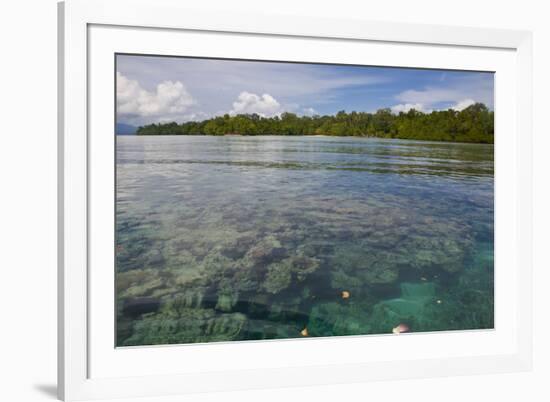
(253, 201)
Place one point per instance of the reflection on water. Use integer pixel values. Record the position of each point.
(238, 238)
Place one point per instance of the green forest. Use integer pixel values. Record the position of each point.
(474, 124)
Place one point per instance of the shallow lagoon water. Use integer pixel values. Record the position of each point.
(241, 238)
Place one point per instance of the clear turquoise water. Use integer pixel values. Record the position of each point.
(238, 238)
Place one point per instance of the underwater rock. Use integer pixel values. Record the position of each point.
(439, 245)
(192, 297)
(227, 298)
(266, 250)
(303, 266)
(178, 253)
(441, 253)
(356, 266)
(134, 241)
(380, 271)
(316, 248)
(401, 245)
(138, 283)
(236, 247)
(247, 277)
(340, 279)
(190, 326)
(154, 258)
(279, 277)
(180, 245)
(187, 275)
(216, 266)
(225, 326)
(125, 280)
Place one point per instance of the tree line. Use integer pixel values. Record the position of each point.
(473, 124)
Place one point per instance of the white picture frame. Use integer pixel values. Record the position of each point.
(89, 367)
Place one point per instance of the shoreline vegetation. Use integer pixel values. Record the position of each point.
(474, 124)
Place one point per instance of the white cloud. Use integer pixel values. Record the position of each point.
(192, 116)
(215, 83)
(463, 104)
(405, 107)
(457, 94)
(421, 107)
(168, 100)
(429, 96)
(264, 105)
(309, 111)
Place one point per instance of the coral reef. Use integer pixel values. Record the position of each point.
(189, 325)
(336, 245)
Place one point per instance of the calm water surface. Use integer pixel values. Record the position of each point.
(238, 238)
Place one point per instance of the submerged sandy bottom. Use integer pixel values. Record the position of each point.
(237, 238)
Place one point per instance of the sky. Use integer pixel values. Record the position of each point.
(152, 89)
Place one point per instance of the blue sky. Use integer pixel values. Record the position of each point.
(161, 89)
